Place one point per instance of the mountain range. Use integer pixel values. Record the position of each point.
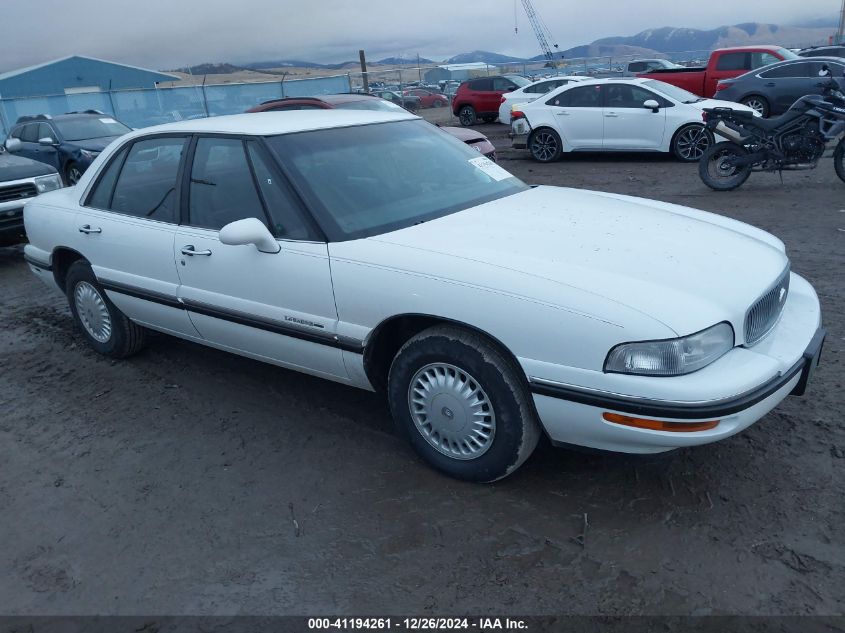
(666, 40)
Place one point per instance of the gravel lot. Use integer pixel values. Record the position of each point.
(189, 481)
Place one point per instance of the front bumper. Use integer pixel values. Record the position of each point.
(576, 414)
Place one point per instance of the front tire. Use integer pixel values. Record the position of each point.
(72, 174)
(690, 142)
(438, 103)
(716, 174)
(545, 145)
(105, 327)
(839, 160)
(462, 405)
(467, 116)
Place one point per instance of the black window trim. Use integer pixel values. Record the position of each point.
(89, 193)
(575, 85)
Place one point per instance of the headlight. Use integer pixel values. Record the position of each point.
(43, 184)
(88, 154)
(672, 357)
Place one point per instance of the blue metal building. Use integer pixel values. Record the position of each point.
(74, 75)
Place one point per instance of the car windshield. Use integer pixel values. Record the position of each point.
(371, 179)
(519, 80)
(85, 128)
(785, 53)
(370, 104)
(673, 92)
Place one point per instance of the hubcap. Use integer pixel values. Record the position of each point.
(544, 146)
(756, 105)
(74, 175)
(466, 116)
(92, 311)
(451, 411)
(692, 142)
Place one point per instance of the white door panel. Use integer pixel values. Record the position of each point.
(634, 128)
(276, 305)
(133, 257)
(580, 128)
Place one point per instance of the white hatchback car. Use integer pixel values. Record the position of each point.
(530, 93)
(618, 115)
(373, 249)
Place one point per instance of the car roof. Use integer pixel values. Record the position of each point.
(751, 47)
(272, 123)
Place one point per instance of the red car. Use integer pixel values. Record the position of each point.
(724, 63)
(350, 101)
(480, 98)
(428, 99)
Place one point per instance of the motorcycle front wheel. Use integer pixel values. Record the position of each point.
(839, 160)
(715, 169)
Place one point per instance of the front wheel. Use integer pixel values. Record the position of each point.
(105, 327)
(462, 405)
(839, 160)
(690, 142)
(716, 169)
(72, 174)
(438, 103)
(545, 145)
(467, 116)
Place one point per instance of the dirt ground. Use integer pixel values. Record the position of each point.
(189, 481)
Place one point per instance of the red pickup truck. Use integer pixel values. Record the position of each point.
(724, 63)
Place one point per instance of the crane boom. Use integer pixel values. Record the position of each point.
(540, 31)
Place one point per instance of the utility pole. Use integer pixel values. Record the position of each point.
(841, 30)
(419, 70)
(364, 69)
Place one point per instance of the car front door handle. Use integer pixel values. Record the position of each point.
(191, 251)
(563, 113)
(771, 84)
(86, 228)
(611, 115)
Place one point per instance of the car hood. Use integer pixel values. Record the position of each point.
(17, 168)
(464, 134)
(685, 268)
(93, 144)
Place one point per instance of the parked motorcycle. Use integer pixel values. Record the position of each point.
(795, 140)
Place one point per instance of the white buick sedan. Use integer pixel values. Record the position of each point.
(615, 115)
(373, 249)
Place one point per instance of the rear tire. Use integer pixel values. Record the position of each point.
(839, 160)
(758, 104)
(489, 119)
(462, 405)
(690, 142)
(467, 116)
(545, 145)
(438, 103)
(72, 174)
(718, 176)
(105, 327)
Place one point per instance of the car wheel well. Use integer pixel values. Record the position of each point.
(390, 335)
(682, 127)
(61, 261)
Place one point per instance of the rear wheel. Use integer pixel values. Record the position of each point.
(690, 142)
(461, 404)
(839, 160)
(72, 174)
(489, 118)
(757, 103)
(716, 170)
(438, 103)
(545, 145)
(105, 327)
(467, 115)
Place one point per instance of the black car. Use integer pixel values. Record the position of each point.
(774, 88)
(68, 142)
(408, 102)
(20, 180)
(823, 51)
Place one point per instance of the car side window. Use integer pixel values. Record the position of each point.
(636, 67)
(222, 189)
(45, 131)
(799, 69)
(627, 96)
(29, 134)
(146, 186)
(286, 218)
(16, 132)
(101, 196)
(500, 83)
(580, 97)
(481, 84)
(733, 61)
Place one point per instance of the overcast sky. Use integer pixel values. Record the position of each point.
(166, 34)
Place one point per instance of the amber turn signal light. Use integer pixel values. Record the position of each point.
(660, 425)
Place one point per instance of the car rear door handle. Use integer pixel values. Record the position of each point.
(771, 84)
(611, 114)
(86, 228)
(562, 113)
(189, 250)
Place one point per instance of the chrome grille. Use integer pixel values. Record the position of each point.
(763, 315)
(17, 192)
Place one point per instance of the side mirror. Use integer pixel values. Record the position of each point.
(13, 144)
(249, 231)
(652, 105)
(46, 141)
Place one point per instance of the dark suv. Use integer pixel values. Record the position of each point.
(480, 98)
(823, 51)
(20, 180)
(68, 142)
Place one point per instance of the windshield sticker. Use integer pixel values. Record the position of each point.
(107, 121)
(490, 168)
